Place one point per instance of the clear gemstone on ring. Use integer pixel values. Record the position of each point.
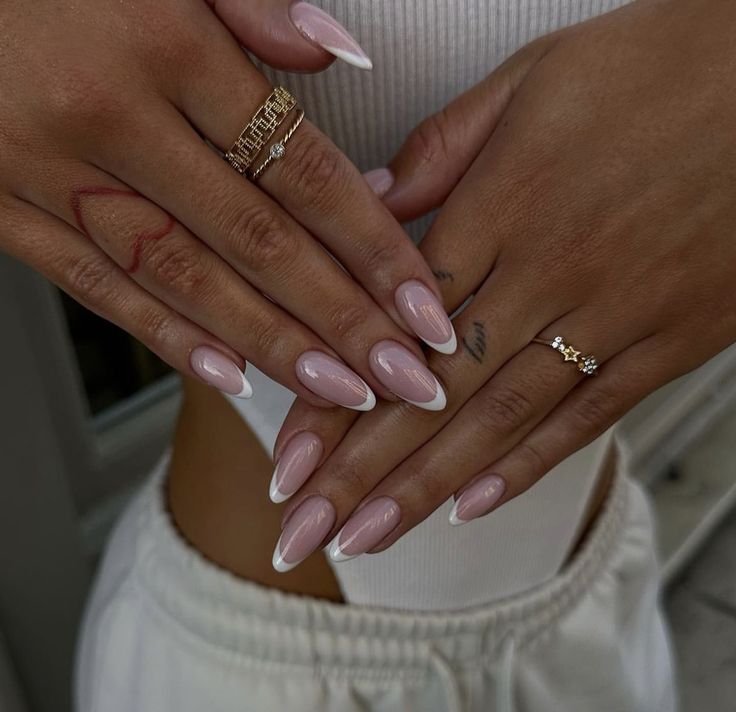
(278, 150)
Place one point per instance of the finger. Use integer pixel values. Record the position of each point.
(290, 35)
(307, 437)
(322, 190)
(493, 421)
(168, 261)
(586, 413)
(69, 260)
(500, 322)
(439, 151)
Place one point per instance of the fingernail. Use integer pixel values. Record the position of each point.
(423, 312)
(366, 528)
(404, 374)
(329, 34)
(327, 377)
(478, 499)
(380, 180)
(219, 371)
(298, 460)
(304, 531)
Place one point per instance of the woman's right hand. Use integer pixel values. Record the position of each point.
(108, 188)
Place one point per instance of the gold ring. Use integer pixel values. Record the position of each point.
(586, 364)
(278, 149)
(259, 130)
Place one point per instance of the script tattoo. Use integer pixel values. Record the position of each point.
(141, 239)
(442, 275)
(476, 344)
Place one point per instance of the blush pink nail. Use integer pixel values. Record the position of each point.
(219, 371)
(298, 461)
(424, 313)
(305, 529)
(328, 33)
(404, 374)
(478, 499)
(325, 376)
(366, 528)
(379, 180)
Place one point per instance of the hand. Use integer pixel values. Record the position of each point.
(588, 193)
(108, 188)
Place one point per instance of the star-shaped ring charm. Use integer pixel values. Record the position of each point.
(570, 354)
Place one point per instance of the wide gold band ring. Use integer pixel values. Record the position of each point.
(254, 138)
(278, 149)
(586, 364)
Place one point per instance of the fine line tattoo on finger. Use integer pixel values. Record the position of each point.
(443, 276)
(476, 344)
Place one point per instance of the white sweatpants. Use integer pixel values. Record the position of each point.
(166, 631)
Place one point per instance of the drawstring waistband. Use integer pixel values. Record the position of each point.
(504, 677)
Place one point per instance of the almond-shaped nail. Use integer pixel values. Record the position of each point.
(298, 460)
(404, 374)
(478, 499)
(424, 313)
(327, 377)
(329, 34)
(379, 180)
(219, 371)
(305, 529)
(366, 528)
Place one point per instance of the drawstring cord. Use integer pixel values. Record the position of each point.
(448, 678)
(505, 677)
(505, 686)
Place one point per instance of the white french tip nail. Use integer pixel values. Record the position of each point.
(437, 403)
(454, 519)
(278, 561)
(448, 348)
(356, 60)
(275, 494)
(336, 553)
(368, 404)
(246, 391)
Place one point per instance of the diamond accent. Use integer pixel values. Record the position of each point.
(278, 151)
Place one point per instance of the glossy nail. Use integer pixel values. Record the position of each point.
(298, 460)
(404, 374)
(366, 528)
(423, 312)
(478, 499)
(305, 529)
(219, 371)
(329, 34)
(329, 378)
(380, 181)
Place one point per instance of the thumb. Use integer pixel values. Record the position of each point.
(289, 35)
(438, 152)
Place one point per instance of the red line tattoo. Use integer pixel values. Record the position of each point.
(141, 240)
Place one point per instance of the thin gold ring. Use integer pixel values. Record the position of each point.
(587, 365)
(260, 129)
(278, 149)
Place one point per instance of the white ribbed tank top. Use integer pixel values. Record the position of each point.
(426, 52)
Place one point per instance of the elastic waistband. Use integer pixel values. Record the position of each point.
(232, 616)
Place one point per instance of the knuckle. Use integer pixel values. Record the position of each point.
(268, 339)
(89, 278)
(84, 98)
(348, 322)
(317, 171)
(154, 327)
(261, 239)
(596, 408)
(178, 266)
(503, 410)
(429, 141)
(380, 254)
(535, 464)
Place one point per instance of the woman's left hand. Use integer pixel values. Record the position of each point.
(588, 193)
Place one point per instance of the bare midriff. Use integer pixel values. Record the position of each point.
(218, 497)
